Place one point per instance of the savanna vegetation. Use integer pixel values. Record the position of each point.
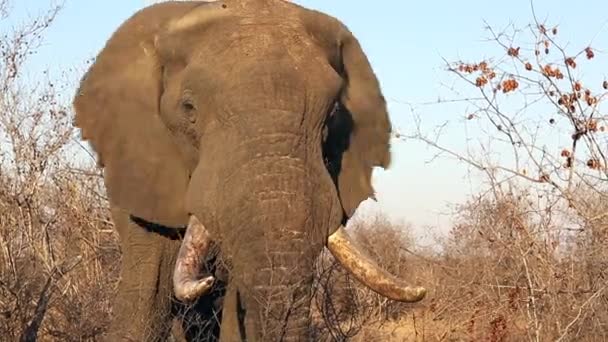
(525, 259)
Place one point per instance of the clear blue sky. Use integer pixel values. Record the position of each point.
(405, 41)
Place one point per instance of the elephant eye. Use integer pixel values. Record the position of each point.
(189, 110)
(187, 105)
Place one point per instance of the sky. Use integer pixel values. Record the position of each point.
(406, 43)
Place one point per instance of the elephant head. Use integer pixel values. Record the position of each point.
(257, 121)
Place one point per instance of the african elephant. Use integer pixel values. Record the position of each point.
(255, 124)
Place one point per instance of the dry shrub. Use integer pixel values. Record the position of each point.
(389, 244)
(510, 273)
(526, 260)
(507, 271)
(58, 251)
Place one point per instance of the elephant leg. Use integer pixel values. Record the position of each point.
(143, 304)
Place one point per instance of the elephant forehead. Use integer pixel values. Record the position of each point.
(251, 37)
(285, 62)
(250, 12)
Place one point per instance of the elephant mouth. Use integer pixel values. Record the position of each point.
(188, 285)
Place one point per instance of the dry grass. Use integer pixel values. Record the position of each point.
(518, 265)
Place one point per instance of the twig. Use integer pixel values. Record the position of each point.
(30, 333)
(532, 299)
(580, 312)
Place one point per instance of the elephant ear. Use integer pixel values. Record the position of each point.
(117, 110)
(360, 123)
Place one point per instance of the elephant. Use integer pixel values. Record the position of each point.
(249, 125)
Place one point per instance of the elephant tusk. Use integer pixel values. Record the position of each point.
(362, 267)
(187, 284)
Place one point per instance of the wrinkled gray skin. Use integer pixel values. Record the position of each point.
(226, 111)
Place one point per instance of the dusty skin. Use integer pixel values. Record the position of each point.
(262, 119)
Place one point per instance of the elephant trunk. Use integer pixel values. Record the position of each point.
(269, 220)
(278, 298)
(274, 275)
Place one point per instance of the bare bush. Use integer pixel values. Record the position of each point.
(58, 252)
(527, 257)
